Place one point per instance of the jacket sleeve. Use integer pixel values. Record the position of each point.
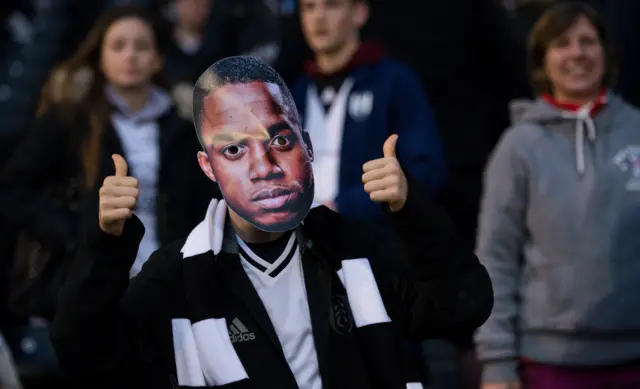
(501, 233)
(102, 316)
(430, 285)
(23, 203)
(419, 147)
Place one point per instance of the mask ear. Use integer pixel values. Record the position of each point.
(307, 141)
(205, 165)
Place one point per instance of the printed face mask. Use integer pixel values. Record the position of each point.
(257, 151)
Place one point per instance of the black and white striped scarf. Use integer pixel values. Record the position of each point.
(204, 353)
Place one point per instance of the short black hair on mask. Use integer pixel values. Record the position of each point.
(237, 70)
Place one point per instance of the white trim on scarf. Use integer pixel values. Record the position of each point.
(363, 294)
(220, 362)
(214, 363)
(203, 351)
(209, 233)
(188, 367)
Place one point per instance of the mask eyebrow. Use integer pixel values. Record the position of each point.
(274, 129)
(225, 137)
(241, 137)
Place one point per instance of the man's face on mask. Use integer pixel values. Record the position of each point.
(258, 155)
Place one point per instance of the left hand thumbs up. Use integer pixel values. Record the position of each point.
(384, 179)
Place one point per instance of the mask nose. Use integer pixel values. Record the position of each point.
(262, 166)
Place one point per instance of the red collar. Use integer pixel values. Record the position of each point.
(368, 53)
(598, 103)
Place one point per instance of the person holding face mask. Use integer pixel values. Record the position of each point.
(268, 290)
(558, 222)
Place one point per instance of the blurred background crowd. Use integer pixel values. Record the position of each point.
(80, 80)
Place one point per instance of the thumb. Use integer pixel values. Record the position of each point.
(121, 165)
(389, 147)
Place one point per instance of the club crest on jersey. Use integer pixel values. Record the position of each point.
(341, 320)
(628, 161)
(360, 105)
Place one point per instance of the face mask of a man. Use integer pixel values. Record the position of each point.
(256, 149)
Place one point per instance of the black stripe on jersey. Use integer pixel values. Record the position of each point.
(286, 261)
(248, 258)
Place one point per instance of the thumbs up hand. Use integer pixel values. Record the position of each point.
(118, 197)
(384, 179)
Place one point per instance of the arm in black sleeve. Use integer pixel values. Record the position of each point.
(34, 163)
(431, 285)
(102, 315)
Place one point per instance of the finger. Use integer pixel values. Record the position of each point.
(122, 169)
(377, 164)
(119, 191)
(118, 202)
(389, 147)
(115, 215)
(384, 196)
(388, 182)
(131, 182)
(376, 174)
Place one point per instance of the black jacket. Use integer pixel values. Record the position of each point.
(50, 152)
(113, 332)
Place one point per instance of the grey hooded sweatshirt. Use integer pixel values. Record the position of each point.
(559, 233)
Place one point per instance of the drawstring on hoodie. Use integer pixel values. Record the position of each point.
(583, 115)
(584, 123)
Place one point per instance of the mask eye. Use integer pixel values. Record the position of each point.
(281, 142)
(233, 151)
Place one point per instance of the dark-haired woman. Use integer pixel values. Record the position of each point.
(110, 97)
(559, 222)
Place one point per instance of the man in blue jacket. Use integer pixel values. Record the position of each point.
(351, 99)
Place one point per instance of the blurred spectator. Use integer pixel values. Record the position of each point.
(110, 97)
(254, 29)
(188, 50)
(352, 98)
(204, 31)
(558, 221)
(293, 49)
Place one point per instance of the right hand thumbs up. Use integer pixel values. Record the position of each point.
(118, 197)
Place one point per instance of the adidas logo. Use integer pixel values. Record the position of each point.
(239, 333)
